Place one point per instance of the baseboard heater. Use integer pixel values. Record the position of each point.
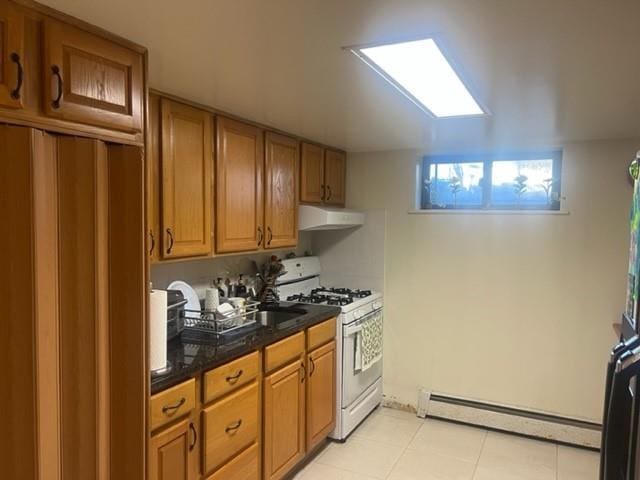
(543, 426)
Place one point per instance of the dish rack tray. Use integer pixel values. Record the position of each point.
(212, 322)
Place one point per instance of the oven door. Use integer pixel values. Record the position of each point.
(355, 382)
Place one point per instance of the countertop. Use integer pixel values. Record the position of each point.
(188, 359)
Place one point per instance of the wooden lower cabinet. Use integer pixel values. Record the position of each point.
(284, 420)
(230, 426)
(321, 393)
(170, 453)
(245, 426)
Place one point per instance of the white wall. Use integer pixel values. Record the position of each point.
(353, 257)
(512, 309)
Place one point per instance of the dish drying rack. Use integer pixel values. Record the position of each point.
(214, 323)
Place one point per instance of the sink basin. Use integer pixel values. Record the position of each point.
(274, 317)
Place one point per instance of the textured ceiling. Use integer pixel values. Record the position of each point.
(550, 71)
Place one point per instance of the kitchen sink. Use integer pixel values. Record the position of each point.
(276, 316)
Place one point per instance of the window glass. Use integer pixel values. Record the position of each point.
(456, 184)
(522, 182)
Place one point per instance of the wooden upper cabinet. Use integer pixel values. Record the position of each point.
(284, 420)
(334, 175)
(281, 191)
(186, 165)
(91, 80)
(11, 55)
(321, 393)
(239, 186)
(312, 173)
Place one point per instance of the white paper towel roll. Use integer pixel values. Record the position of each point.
(211, 299)
(158, 329)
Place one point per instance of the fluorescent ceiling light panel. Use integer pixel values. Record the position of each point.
(420, 71)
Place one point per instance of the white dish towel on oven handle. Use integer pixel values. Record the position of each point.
(368, 343)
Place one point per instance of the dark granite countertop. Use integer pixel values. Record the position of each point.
(190, 358)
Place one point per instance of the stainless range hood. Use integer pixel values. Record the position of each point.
(324, 218)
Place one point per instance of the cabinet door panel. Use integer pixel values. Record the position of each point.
(284, 420)
(91, 80)
(281, 191)
(186, 180)
(239, 179)
(311, 173)
(11, 55)
(321, 394)
(335, 170)
(169, 453)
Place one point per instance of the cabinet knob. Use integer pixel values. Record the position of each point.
(313, 366)
(260, 236)
(233, 427)
(324, 192)
(192, 427)
(170, 234)
(234, 378)
(329, 190)
(304, 372)
(270, 232)
(172, 408)
(153, 242)
(56, 73)
(15, 93)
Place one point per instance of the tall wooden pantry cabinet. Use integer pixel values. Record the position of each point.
(73, 333)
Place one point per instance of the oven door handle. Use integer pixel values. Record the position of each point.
(351, 331)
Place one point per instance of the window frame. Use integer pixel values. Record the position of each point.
(488, 159)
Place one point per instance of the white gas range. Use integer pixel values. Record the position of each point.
(358, 385)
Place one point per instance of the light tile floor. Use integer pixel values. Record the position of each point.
(393, 445)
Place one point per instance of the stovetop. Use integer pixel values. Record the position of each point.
(331, 296)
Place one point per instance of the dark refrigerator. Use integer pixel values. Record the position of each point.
(619, 448)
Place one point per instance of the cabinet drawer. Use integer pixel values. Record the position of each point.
(283, 351)
(173, 403)
(230, 425)
(226, 378)
(321, 333)
(243, 467)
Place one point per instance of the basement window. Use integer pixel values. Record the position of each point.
(499, 181)
(421, 72)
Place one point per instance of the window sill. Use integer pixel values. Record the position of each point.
(487, 212)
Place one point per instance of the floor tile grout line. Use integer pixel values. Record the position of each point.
(475, 468)
(404, 450)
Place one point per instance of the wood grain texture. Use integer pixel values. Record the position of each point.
(183, 396)
(129, 371)
(321, 393)
(239, 186)
(45, 219)
(244, 467)
(284, 351)
(321, 333)
(230, 426)
(284, 421)
(232, 375)
(102, 82)
(18, 442)
(169, 453)
(334, 174)
(187, 160)
(281, 191)
(311, 173)
(83, 305)
(11, 43)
